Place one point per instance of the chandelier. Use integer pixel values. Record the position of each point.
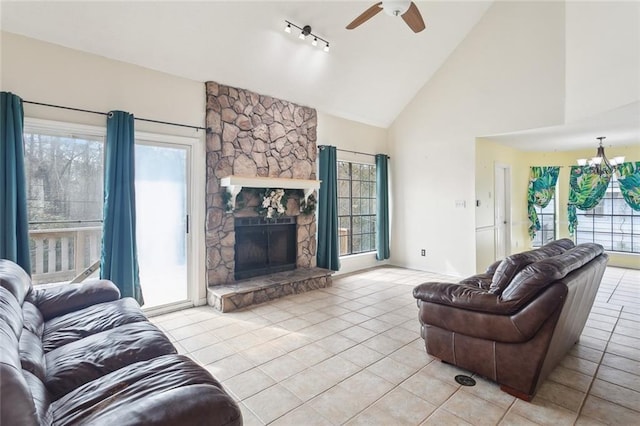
(600, 163)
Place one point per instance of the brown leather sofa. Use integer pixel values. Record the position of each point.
(79, 354)
(514, 323)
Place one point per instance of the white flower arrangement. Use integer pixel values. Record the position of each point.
(273, 203)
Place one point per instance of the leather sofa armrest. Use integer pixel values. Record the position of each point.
(62, 299)
(459, 296)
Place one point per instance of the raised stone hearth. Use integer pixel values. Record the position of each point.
(240, 294)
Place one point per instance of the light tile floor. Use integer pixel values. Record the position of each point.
(352, 354)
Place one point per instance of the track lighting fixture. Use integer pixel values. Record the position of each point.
(304, 32)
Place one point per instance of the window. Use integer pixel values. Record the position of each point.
(64, 172)
(612, 223)
(547, 218)
(356, 207)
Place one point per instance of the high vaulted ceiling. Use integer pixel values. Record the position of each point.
(369, 75)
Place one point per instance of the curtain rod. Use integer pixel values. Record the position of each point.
(352, 152)
(107, 114)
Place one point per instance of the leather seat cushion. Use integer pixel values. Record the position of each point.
(77, 325)
(79, 362)
(482, 281)
(169, 390)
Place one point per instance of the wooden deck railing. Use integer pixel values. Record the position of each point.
(59, 255)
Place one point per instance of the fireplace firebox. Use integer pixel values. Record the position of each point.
(264, 246)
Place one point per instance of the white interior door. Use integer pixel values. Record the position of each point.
(502, 211)
(162, 222)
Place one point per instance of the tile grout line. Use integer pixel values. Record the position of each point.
(595, 373)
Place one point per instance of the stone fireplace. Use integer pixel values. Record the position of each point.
(262, 142)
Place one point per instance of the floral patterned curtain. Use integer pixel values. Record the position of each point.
(542, 187)
(586, 189)
(629, 180)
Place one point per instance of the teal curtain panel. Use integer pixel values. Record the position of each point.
(542, 187)
(382, 207)
(119, 259)
(629, 180)
(328, 248)
(14, 226)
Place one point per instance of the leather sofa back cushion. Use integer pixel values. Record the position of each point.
(515, 263)
(511, 266)
(14, 279)
(16, 404)
(31, 354)
(33, 320)
(559, 246)
(539, 275)
(62, 299)
(10, 312)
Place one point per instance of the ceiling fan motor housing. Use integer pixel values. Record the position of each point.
(396, 8)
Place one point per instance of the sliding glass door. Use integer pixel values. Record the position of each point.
(162, 200)
(64, 171)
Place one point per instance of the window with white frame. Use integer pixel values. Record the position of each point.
(612, 223)
(64, 174)
(356, 207)
(547, 218)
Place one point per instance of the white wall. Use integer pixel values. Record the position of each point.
(507, 74)
(352, 136)
(603, 56)
(48, 73)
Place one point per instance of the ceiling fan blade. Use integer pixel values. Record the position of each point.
(365, 16)
(413, 18)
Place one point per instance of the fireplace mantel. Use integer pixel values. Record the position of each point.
(234, 185)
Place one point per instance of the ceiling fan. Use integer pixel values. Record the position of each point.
(407, 9)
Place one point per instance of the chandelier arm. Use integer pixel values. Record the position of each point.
(600, 163)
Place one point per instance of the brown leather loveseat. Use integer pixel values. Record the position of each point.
(79, 354)
(514, 323)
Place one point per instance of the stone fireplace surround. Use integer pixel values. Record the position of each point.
(255, 136)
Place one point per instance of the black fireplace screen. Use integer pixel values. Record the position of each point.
(264, 246)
